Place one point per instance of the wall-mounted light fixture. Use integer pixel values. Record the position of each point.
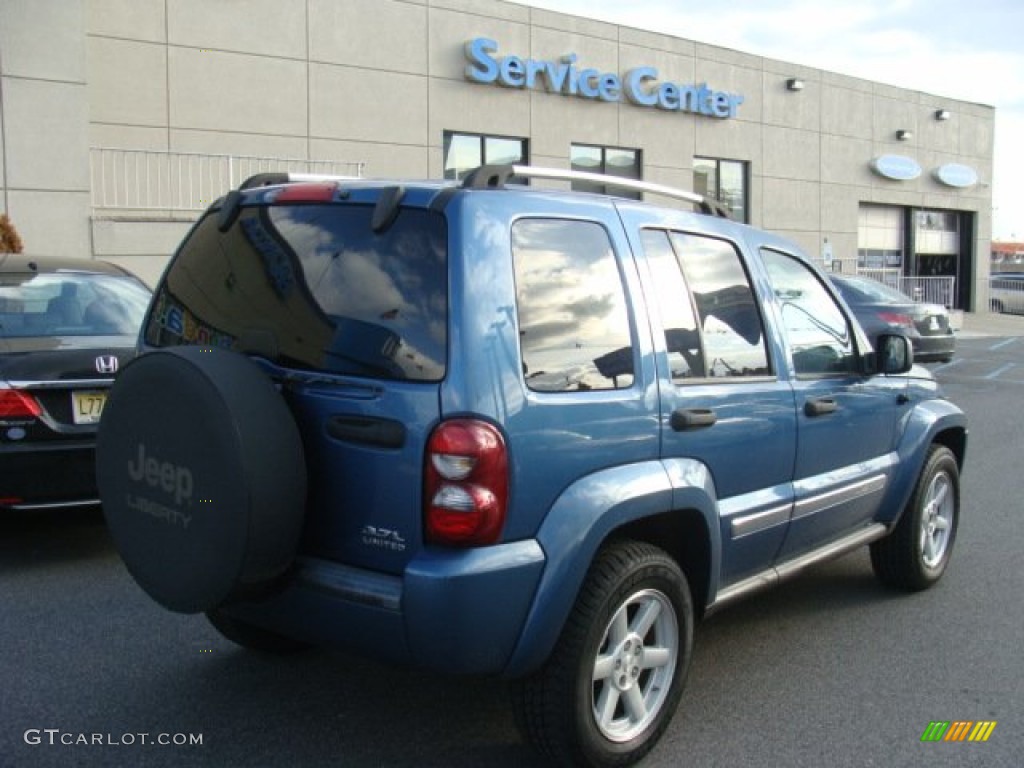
(942, 114)
(795, 84)
(904, 135)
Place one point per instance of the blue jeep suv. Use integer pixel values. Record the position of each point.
(486, 428)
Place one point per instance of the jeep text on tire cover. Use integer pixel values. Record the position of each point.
(550, 429)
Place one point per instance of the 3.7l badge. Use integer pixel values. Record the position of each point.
(383, 538)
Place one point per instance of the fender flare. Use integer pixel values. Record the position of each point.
(584, 516)
(927, 422)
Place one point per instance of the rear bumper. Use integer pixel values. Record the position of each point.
(455, 611)
(47, 475)
(934, 347)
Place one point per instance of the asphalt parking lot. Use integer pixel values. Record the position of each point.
(829, 669)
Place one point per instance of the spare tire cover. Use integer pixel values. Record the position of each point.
(201, 474)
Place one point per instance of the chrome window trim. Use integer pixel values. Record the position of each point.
(59, 383)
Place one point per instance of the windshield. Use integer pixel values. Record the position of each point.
(313, 286)
(36, 304)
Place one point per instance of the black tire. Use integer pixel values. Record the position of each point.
(202, 477)
(915, 554)
(557, 707)
(252, 637)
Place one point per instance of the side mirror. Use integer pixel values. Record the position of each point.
(893, 353)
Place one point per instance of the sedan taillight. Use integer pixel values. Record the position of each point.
(18, 405)
(897, 318)
(466, 484)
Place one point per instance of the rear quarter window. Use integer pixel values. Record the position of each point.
(314, 287)
(574, 328)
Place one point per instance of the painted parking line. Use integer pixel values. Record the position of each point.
(1001, 344)
(1000, 371)
(947, 366)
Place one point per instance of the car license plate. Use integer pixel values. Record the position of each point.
(86, 406)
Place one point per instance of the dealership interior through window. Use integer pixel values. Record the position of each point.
(882, 241)
(880, 237)
(896, 242)
(936, 243)
(612, 161)
(724, 181)
(465, 151)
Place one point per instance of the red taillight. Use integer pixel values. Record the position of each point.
(896, 318)
(18, 405)
(466, 484)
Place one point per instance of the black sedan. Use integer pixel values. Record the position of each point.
(881, 309)
(66, 326)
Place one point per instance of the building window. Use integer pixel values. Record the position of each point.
(880, 237)
(465, 151)
(611, 161)
(938, 234)
(724, 181)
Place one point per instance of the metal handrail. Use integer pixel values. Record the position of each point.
(155, 180)
(929, 289)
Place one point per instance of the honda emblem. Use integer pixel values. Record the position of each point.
(106, 364)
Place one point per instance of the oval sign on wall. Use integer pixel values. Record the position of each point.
(956, 175)
(896, 167)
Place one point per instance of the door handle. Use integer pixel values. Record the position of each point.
(684, 419)
(820, 407)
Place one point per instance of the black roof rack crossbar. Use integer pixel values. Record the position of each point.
(264, 180)
(489, 177)
(714, 208)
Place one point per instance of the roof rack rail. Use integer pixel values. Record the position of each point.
(276, 177)
(496, 176)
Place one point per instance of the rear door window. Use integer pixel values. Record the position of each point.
(314, 287)
(713, 327)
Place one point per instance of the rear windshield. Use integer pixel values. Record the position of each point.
(39, 304)
(864, 290)
(313, 287)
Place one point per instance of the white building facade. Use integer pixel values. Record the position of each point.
(120, 120)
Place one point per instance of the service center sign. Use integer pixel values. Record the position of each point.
(641, 85)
